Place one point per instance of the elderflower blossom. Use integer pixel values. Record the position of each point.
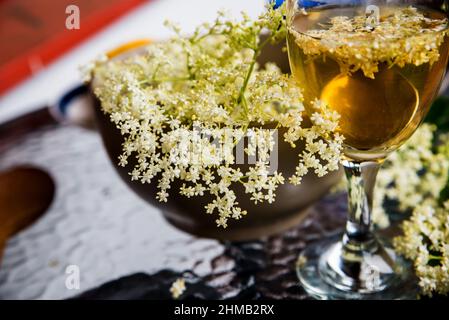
(402, 36)
(414, 175)
(177, 288)
(183, 106)
(426, 242)
(425, 238)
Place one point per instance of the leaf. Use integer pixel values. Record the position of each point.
(444, 194)
(439, 114)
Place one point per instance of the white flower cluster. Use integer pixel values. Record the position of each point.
(426, 233)
(414, 175)
(184, 105)
(177, 288)
(426, 242)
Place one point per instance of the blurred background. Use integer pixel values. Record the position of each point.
(36, 33)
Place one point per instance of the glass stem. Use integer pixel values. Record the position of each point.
(361, 177)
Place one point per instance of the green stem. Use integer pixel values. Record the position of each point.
(211, 32)
(433, 257)
(241, 98)
(153, 78)
(164, 80)
(189, 67)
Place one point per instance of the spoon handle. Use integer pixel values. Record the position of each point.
(12, 130)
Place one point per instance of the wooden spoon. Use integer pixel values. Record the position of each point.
(25, 194)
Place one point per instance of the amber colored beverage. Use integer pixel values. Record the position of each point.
(377, 115)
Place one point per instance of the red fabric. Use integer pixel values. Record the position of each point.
(33, 33)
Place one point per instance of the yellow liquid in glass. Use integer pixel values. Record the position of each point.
(377, 115)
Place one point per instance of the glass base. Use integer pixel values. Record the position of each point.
(328, 270)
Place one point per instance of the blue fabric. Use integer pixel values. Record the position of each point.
(302, 3)
(312, 3)
(64, 102)
(277, 3)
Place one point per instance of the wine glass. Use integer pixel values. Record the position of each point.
(379, 64)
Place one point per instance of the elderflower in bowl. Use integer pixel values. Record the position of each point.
(208, 128)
